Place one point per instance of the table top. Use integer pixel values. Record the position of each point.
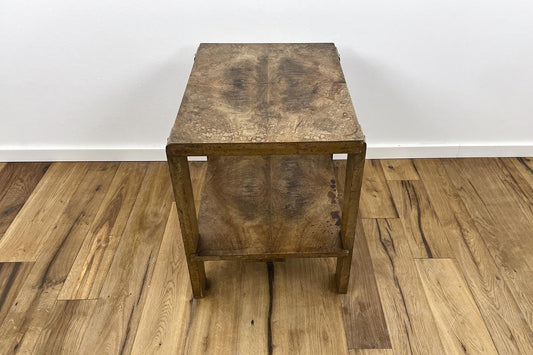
(266, 98)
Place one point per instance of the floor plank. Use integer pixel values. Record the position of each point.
(525, 167)
(364, 321)
(421, 225)
(399, 169)
(460, 324)
(26, 235)
(503, 217)
(376, 200)
(233, 318)
(520, 180)
(398, 298)
(115, 320)
(505, 322)
(29, 312)
(12, 277)
(165, 317)
(306, 311)
(65, 328)
(17, 182)
(371, 352)
(163, 323)
(409, 318)
(94, 259)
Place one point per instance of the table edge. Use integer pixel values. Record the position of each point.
(265, 148)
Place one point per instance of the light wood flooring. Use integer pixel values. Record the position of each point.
(91, 262)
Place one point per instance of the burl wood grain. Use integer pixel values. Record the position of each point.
(268, 98)
(269, 206)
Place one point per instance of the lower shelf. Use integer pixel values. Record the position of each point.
(267, 207)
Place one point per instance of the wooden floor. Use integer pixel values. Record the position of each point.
(91, 262)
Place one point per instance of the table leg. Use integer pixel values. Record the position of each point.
(350, 207)
(181, 183)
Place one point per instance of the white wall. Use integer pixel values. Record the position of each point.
(103, 79)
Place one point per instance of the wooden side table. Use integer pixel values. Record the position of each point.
(268, 116)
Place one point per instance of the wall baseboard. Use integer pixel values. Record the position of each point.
(373, 152)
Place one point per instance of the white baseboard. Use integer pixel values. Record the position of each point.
(399, 151)
(83, 154)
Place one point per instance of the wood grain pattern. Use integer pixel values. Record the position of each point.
(141, 304)
(265, 95)
(424, 233)
(376, 200)
(519, 177)
(185, 205)
(269, 207)
(496, 201)
(198, 172)
(65, 328)
(364, 321)
(287, 148)
(94, 259)
(371, 352)
(167, 311)
(233, 319)
(399, 169)
(306, 313)
(26, 235)
(461, 327)
(17, 182)
(118, 310)
(238, 299)
(12, 277)
(504, 319)
(165, 316)
(29, 312)
(350, 209)
(244, 99)
(524, 166)
(411, 325)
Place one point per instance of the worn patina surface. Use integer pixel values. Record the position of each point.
(269, 117)
(271, 94)
(270, 206)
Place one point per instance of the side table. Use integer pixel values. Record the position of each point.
(268, 117)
